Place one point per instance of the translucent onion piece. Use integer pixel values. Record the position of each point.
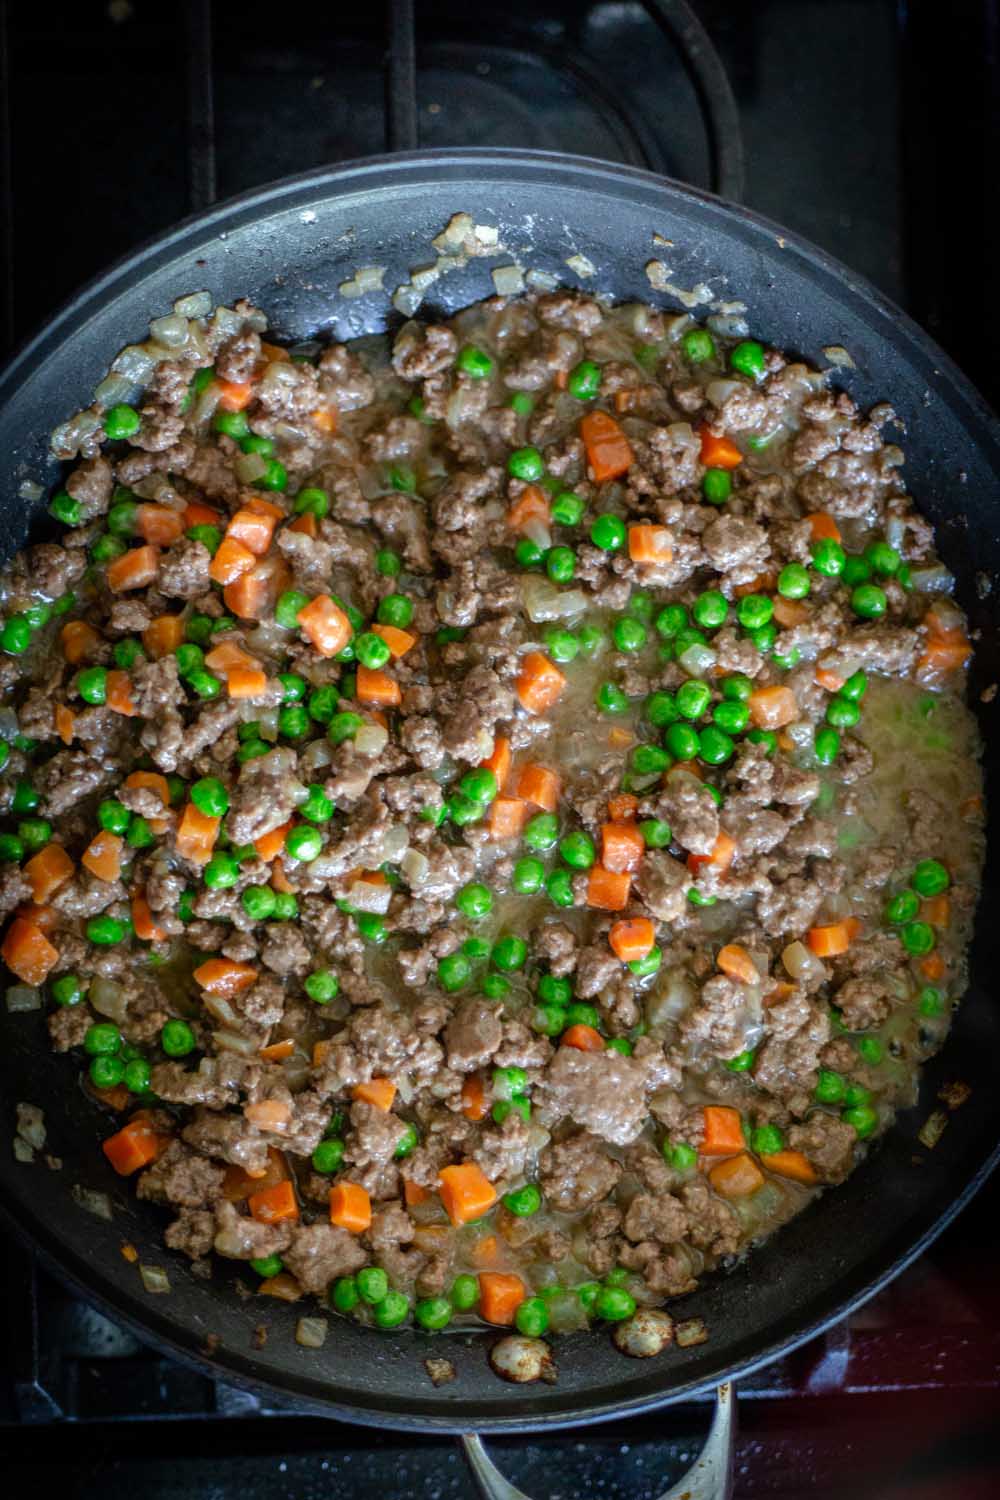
(690, 1332)
(319, 753)
(936, 580)
(396, 843)
(10, 726)
(405, 1086)
(536, 531)
(458, 227)
(268, 721)
(802, 965)
(697, 659)
(311, 1332)
(542, 281)
(113, 389)
(675, 995)
(154, 1279)
(728, 325)
(544, 600)
(838, 355)
(22, 997)
(250, 466)
(220, 1008)
(683, 435)
(414, 867)
(194, 305)
(135, 363)
(23, 1152)
(98, 1204)
(407, 298)
(508, 280)
(364, 895)
(108, 998)
(231, 1041)
(371, 739)
(69, 437)
(171, 331)
(719, 391)
(582, 265)
(31, 1125)
(31, 491)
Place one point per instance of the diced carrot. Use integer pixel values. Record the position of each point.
(608, 451)
(791, 1164)
(234, 395)
(42, 917)
(270, 845)
(539, 785)
(718, 452)
(790, 612)
(561, 379)
(622, 847)
(398, 641)
(608, 890)
(620, 738)
(378, 1091)
(163, 635)
(151, 781)
(307, 524)
(136, 1145)
(721, 856)
(781, 989)
(146, 928)
(252, 594)
(413, 1193)
(623, 400)
(252, 530)
(132, 570)
(280, 880)
(159, 524)
(46, 871)
(649, 544)
(942, 655)
(632, 938)
(196, 835)
(325, 625)
(274, 1205)
(737, 963)
(498, 760)
(261, 507)
(326, 420)
(378, 687)
(119, 1097)
(485, 1250)
(227, 655)
(278, 1051)
(736, 1177)
(773, 707)
(622, 808)
(723, 1130)
(785, 741)
(823, 527)
(540, 683)
(936, 910)
(532, 504)
(506, 817)
(238, 1184)
(466, 1192)
(764, 583)
(197, 514)
(231, 559)
(246, 682)
(283, 1287)
(932, 967)
(78, 640)
(224, 976)
(582, 1037)
(830, 940)
(103, 856)
(119, 694)
(272, 352)
(500, 1295)
(829, 680)
(27, 952)
(64, 721)
(320, 1053)
(474, 1105)
(350, 1207)
(689, 767)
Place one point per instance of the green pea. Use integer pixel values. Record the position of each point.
(210, 796)
(454, 971)
(826, 746)
(717, 486)
(748, 358)
(508, 1083)
(868, 601)
(610, 699)
(92, 685)
(267, 1266)
(754, 610)
(842, 713)
(870, 1050)
(671, 619)
(102, 1039)
(656, 834)
(608, 533)
(532, 1318)
(828, 557)
(432, 1313)
(698, 345)
(221, 872)
(286, 907)
(567, 509)
(258, 903)
(930, 878)
(121, 422)
(64, 508)
(901, 908)
(582, 1014)
(793, 581)
(646, 760)
(642, 968)
(328, 1156)
(628, 634)
(577, 850)
(613, 1304)
(312, 502)
(343, 726)
(509, 953)
(765, 1140)
(304, 844)
(504, 1107)
(930, 1001)
(373, 1284)
(474, 362)
(527, 464)
(741, 1063)
(682, 741)
(464, 1293)
(863, 1117)
(710, 609)
(204, 684)
(549, 1019)
(830, 1087)
(388, 563)
(344, 1296)
(522, 403)
(918, 938)
(584, 380)
(693, 698)
(559, 887)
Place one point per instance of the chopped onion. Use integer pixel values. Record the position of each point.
(697, 659)
(658, 275)
(728, 325)
(231, 1041)
(508, 280)
(414, 867)
(31, 1125)
(682, 435)
(197, 349)
(23, 1152)
(31, 491)
(23, 997)
(194, 305)
(407, 298)
(895, 531)
(98, 1204)
(582, 265)
(543, 281)
(838, 355)
(536, 531)
(933, 1129)
(171, 331)
(719, 391)
(396, 843)
(204, 407)
(677, 325)
(135, 363)
(936, 580)
(68, 438)
(154, 1279)
(219, 1007)
(371, 739)
(544, 600)
(268, 721)
(691, 1331)
(319, 753)
(10, 727)
(404, 1084)
(225, 322)
(458, 227)
(803, 965)
(250, 466)
(674, 995)
(364, 895)
(365, 279)
(311, 1332)
(461, 405)
(113, 389)
(108, 998)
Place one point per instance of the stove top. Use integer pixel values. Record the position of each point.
(866, 125)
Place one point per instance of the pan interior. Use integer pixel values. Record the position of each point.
(287, 249)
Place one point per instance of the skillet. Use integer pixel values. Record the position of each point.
(287, 247)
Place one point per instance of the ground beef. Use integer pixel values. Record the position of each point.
(265, 796)
(184, 569)
(319, 1253)
(473, 1035)
(602, 1091)
(828, 1143)
(239, 1237)
(182, 1177)
(577, 1173)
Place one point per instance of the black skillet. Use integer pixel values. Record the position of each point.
(287, 247)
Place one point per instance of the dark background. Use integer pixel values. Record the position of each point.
(869, 126)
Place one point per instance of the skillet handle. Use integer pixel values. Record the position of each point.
(710, 1477)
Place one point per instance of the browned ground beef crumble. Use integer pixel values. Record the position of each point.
(411, 452)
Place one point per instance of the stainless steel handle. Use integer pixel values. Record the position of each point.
(710, 1477)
